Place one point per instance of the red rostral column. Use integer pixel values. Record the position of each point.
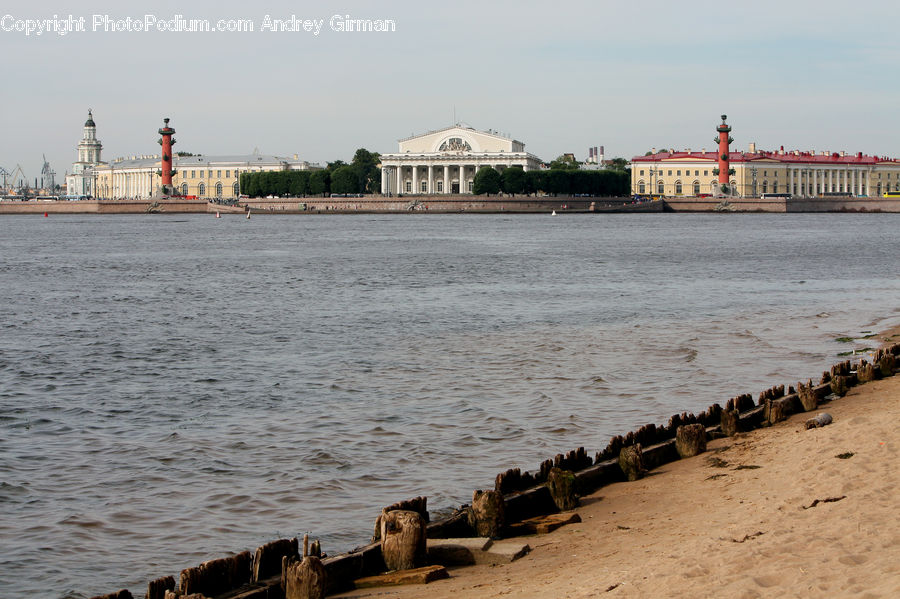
(166, 142)
(724, 140)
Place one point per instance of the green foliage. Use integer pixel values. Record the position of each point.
(345, 179)
(512, 180)
(563, 162)
(365, 165)
(487, 180)
(603, 182)
(319, 182)
(618, 164)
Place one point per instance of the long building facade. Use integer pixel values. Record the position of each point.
(445, 161)
(206, 177)
(800, 174)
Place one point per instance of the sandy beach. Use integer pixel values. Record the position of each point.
(777, 512)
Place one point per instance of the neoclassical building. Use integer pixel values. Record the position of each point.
(212, 177)
(445, 161)
(757, 172)
(81, 184)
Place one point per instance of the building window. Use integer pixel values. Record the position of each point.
(184, 189)
(193, 174)
(706, 173)
(679, 174)
(440, 186)
(660, 186)
(765, 187)
(219, 189)
(641, 188)
(409, 187)
(642, 173)
(470, 186)
(696, 188)
(218, 174)
(235, 190)
(423, 187)
(678, 188)
(201, 190)
(670, 174)
(227, 174)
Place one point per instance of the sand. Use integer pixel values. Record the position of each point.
(771, 513)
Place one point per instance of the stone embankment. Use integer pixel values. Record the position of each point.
(416, 550)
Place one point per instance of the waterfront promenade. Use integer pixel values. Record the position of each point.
(452, 204)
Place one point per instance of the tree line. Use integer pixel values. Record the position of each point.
(360, 176)
(555, 181)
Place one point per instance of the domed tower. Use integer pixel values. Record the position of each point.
(81, 182)
(724, 140)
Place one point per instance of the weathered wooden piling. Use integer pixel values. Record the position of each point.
(690, 440)
(487, 514)
(403, 543)
(562, 488)
(631, 462)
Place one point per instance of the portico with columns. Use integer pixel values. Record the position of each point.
(445, 161)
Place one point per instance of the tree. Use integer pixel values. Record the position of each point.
(365, 164)
(618, 164)
(564, 161)
(318, 183)
(487, 180)
(345, 180)
(512, 179)
(557, 181)
(299, 183)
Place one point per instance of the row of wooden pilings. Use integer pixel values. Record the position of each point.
(277, 570)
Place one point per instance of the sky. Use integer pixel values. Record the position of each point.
(560, 77)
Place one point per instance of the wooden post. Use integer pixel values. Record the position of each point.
(403, 540)
(156, 589)
(690, 439)
(303, 579)
(631, 461)
(774, 411)
(807, 394)
(488, 513)
(731, 422)
(562, 488)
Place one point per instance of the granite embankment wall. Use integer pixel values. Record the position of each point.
(104, 207)
(523, 496)
(837, 204)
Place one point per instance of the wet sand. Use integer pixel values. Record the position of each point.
(770, 513)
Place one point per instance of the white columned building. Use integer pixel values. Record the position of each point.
(445, 161)
(81, 183)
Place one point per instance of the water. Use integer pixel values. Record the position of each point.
(176, 388)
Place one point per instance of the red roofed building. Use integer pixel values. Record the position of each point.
(756, 172)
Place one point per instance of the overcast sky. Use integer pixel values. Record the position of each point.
(559, 76)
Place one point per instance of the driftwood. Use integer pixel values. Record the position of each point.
(819, 421)
(403, 540)
(487, 514)
(303, 579)
(562, 488)
(422, 575)
(631, 461)
(690, 439)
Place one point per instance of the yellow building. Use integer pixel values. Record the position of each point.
(207, 177)
(758, 172)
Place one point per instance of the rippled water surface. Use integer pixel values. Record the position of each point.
(175, 388)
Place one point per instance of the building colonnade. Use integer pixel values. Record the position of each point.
(439, 178)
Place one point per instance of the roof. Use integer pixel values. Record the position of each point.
(787, 157)
(203, 160)
(460, 126)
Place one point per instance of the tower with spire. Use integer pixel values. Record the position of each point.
(81, 182)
